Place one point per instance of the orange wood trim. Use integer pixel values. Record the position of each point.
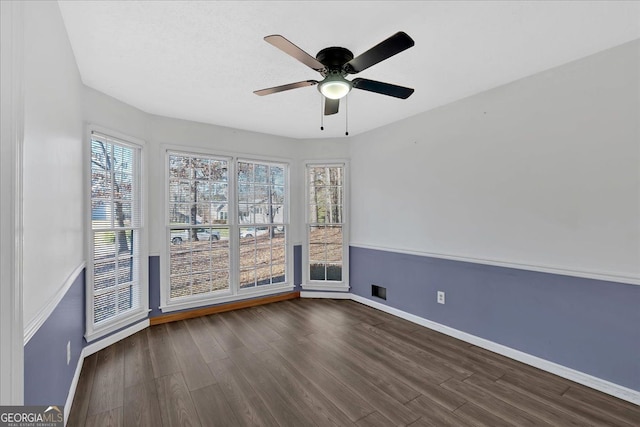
(205, 311)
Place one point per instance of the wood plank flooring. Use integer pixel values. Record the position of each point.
(323, 363)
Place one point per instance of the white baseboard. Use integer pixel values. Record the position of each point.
(72, 389)
(332, 295)
(596, 383)
(342, 287)
(94, 348)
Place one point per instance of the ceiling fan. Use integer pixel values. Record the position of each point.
(335, 63)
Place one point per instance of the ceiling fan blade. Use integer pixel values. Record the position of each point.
(291, 49)
(282, 88)
(382, 88)
(331, 106)
(393, 45)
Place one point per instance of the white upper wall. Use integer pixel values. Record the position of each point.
(542, 172)
(53, 176)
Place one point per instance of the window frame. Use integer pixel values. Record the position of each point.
(326, 285)
(285, 221)
(234, 293)
(95, 331)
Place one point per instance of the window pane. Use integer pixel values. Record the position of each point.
(201, 191)
(317, 234)
(247, 278)
(260, 194)
(316, 271)
(334, 253)
(180, 286)
(317, 252)
(125, 298)
(260, 173)
(122, 214)
(219, 192)
(277, 194)
(104, 306)
(277, 175)
(245, 172)
(125, 270)
(277, 273)
(247, 252)
(334, 272)
(180, 263)
(179, 191)
(200, 260)
(179, 167)
(245, 193)
(263, 275)
(325, 206)
(201, 283)
(104, 275)
(333, 234)
(104, 245)
(219, 280)
(201, 169)
(245, 214)
(277, 211)
(219, 170)
(220, 213)
(195, 253)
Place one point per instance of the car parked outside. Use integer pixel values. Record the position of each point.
(252, 231)
(179, 236)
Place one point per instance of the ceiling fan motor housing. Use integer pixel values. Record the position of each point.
(334, 58)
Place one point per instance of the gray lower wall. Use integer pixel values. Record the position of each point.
(47, 377)
(592, 326)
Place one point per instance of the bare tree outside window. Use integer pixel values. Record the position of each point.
(325, 221)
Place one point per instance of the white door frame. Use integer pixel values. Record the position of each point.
(11, 143)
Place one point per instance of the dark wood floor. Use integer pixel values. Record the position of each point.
(322, 362)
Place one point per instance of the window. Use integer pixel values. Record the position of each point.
(326, 249)
(261, 215)
(226, 229)
(198, 232)
(117, 285)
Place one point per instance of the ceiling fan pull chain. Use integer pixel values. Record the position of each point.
(346, 115)
(321, 113)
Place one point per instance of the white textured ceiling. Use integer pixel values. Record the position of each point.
(201, 61)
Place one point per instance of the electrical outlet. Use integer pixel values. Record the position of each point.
(440, 297)
(68, 352)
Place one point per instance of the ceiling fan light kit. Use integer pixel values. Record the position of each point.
(335, 63)
(334, 87)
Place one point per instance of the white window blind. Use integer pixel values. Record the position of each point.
(114, 272)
